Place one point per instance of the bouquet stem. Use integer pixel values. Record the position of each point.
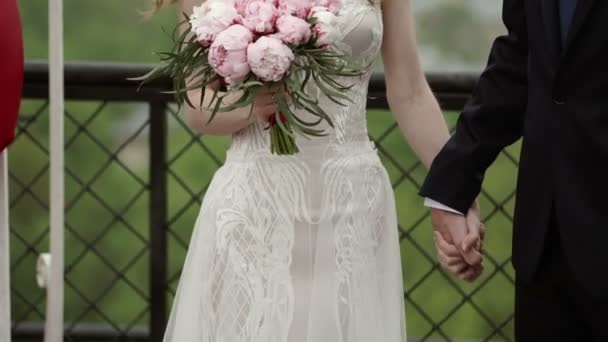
(281, 143)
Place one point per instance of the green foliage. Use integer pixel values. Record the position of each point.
(187, 64)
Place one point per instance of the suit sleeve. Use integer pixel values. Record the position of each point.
(491, 120)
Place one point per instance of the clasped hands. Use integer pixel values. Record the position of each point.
(459, 242)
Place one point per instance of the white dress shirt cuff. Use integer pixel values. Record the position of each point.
(434, 204)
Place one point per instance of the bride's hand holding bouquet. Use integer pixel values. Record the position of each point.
(256, 50)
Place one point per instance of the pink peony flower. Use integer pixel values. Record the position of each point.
(260, 17)
(228, 53)
(293, 30)
(299, 8)
(324, 29)
(269, 58)
(211, 18)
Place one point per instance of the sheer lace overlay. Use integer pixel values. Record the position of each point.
(301, 248)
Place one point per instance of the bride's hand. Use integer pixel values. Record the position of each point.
(264, 105)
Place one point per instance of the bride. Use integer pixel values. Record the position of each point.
(305, 248)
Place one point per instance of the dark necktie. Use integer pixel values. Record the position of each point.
(566, 13)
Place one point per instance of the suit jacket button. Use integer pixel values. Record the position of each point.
(559, 101)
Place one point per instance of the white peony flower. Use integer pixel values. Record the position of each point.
(325, 27)
(211, 18)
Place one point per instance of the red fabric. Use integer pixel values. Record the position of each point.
(11, 70)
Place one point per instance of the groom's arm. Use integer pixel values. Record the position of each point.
(491, 120)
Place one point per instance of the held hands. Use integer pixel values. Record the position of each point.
(459, 242)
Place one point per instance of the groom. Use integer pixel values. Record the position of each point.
(546, 81)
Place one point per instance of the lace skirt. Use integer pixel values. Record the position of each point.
(294, 249)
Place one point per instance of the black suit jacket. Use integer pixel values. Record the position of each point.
(556, 98)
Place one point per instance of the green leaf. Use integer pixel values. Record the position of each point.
(218, 103)
(246, 99)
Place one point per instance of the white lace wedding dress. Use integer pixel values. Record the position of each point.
(301, 248)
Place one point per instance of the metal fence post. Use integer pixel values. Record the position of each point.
(158, 219)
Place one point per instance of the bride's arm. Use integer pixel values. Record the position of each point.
(222, 123)
(418, 113)
(409, 95)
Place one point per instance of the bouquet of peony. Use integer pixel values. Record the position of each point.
(248, 44)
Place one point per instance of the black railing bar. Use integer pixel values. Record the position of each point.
(158, 220)
(117, 74)
(109, 81)
(88, 331)
(98, 332)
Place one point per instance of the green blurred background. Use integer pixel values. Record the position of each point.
(108, 223)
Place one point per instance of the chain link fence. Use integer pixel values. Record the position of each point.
(135, 178)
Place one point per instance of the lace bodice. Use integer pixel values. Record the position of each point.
(360, 30)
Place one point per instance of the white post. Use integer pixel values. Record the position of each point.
(5, 265)
(54, 312)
